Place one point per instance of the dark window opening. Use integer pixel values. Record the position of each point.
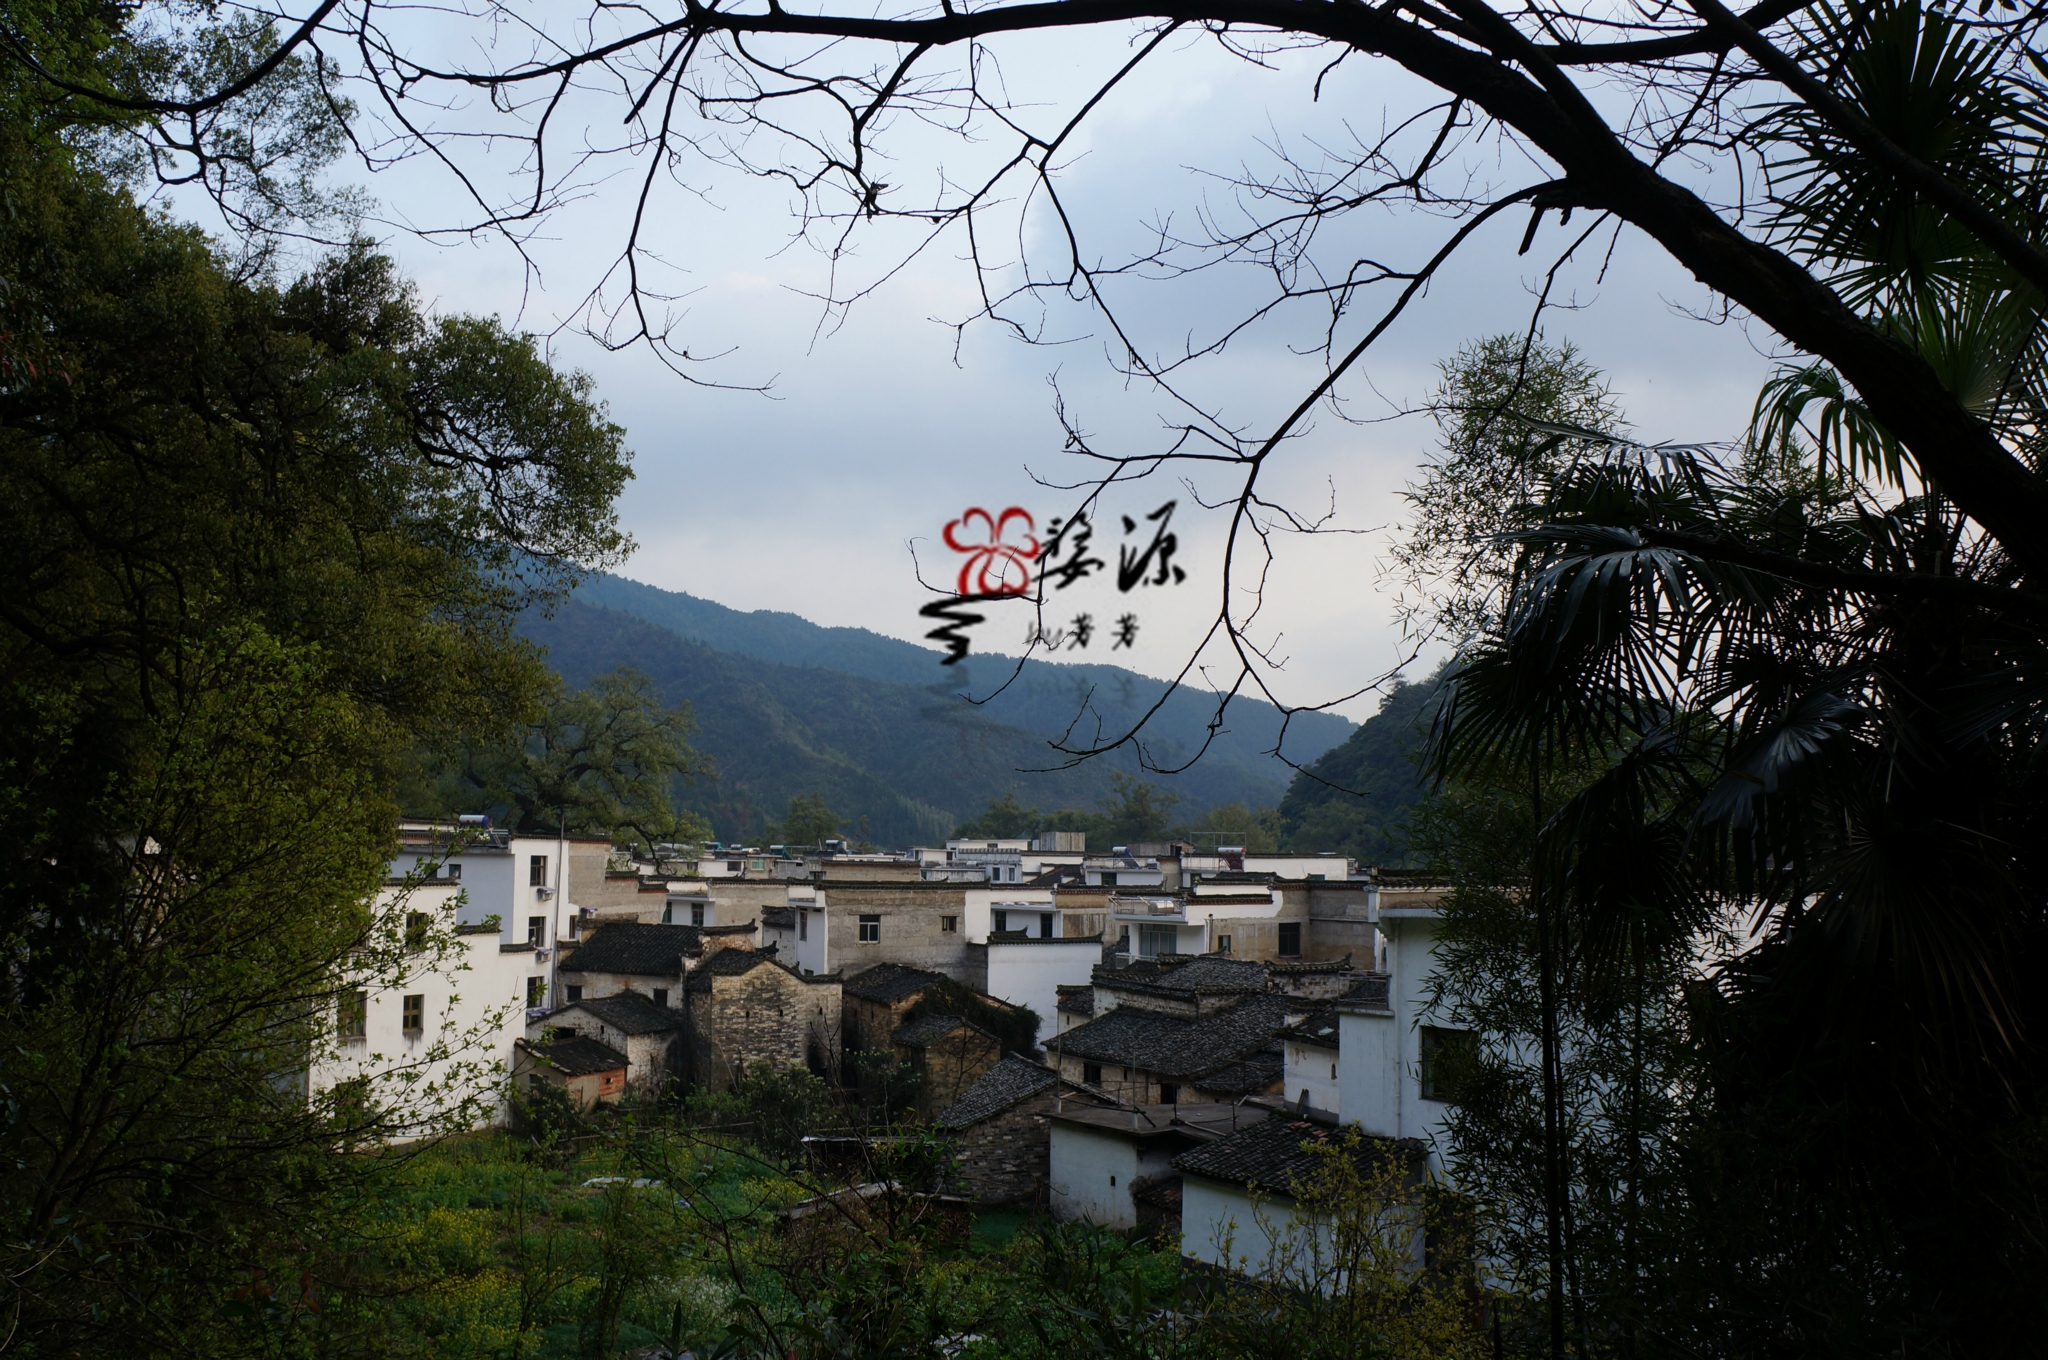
(537, 871)
(1290, 939)
(1169, 1094)
(455, 871)
(574, 991)
(696, 913)
(999, 920)
(354, 1016)
(536, 992)
(803, 925)
(661, 996)
(870, 929)
(1447, 1055)
(415, 1015)
(1092, 1073)
(1109, 880)
(949, 924)
(417, 923)
(668, 914)
(536, 931)
(1223, 944)
(1045, 925)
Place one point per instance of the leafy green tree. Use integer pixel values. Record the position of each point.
(1005, 816)
(272, 536)
(1136, 810)
(603, 759)
(1235, 824)
(1799, 679)
(809, 822)
(1358, 798)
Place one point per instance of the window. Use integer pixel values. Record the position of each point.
(1045, 925)
(455, 871)
(1156, 940)
(732, 866)
(1223, 944)
(870, 929)
(415, 1014)
(696, 913)
(536, 931)
(999, 920)
(417, 923)
(668, 914)
(661, 997)
(949, 924)
(352, 1016)
(537, 871)
(536, 992)
(1169, 1094)
(1333, 1071)
(1446, 1056)
(575, 925)
(1290, 939)
(803, 924)
(573, 991)
(1109, 880)
(1092, 1073)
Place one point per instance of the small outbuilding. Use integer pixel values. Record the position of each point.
(592, 1073)
(1001, 1130)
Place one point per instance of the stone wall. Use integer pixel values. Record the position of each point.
(1007, 1158)
(766, 1014)
(872, 1024)
(912, 930)
(948, 1066)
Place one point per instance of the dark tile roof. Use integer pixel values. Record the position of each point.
(1205, 971)
(1077, 1000)
(629, 1013)
(1158, 1192)
(889, 982)
(927, 1029)
(1318, 1029)
(577, 1057)
(1254, 1074)
(1002, 1086)
(1276, 1153)
(781, 918)
(629, 947)
(1173, 1046)
(729, 963)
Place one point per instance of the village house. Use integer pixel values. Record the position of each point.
(1241, 1198)
(1001, 1130)
(1386, 1047)
(651, 1036)
(428, 1036)
(746, 1007)
(651, 959)
(589, 1072)
(877, 1001)
(948, 1055)
(1175, 1029)
(1113, 1165)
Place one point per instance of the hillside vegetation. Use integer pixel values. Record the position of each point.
(786, 708)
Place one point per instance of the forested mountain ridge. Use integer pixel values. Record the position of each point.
(910, 763)
(1045, 698)
(1355, 799)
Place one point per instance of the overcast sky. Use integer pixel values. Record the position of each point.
(884, 424)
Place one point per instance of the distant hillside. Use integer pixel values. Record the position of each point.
(1355, 799)
(1045, 699)
(885, 751)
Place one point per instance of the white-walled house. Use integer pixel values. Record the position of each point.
(436, 1031)
(1031, 971)
(1102, 1155)
(1380, 1035)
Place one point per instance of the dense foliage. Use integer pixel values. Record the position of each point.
(270, 535)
